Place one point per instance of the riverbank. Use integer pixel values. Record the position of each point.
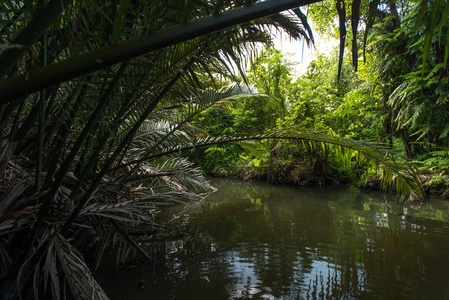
(435, 186)
(320, 174)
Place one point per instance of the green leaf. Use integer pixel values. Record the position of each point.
(429, 32)
(444, 132)
(421, 12)
(434, 71)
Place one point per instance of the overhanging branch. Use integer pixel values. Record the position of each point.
(37, 79)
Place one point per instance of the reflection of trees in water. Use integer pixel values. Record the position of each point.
(334, 284)
(272, 243)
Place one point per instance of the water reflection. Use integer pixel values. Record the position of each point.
(263, 242)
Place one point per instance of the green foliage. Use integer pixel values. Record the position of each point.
(270, 73)
(215, 121)
(437, 160)
(413, 79)
(127, 87)
(221, 161)
(255, 114)
(348, 107)
(323, 14)
(316, 102)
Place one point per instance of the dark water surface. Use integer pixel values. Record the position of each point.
(254, 241)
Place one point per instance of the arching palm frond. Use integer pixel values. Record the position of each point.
(393, 165)
(169, 130)
(174, 172)
(141, 209)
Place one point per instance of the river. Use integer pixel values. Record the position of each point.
(256, 241)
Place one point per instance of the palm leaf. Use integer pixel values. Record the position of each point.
(435, 9)
(408, 180)
(142, 208)
(76, 272)
(114, 102)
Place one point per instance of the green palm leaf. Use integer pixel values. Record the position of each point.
(406, 181)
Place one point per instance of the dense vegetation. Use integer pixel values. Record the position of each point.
(397, 96)
(98, 99)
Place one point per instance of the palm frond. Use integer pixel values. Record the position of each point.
(408, 180)
(94, 121)
(142, 209)
(76, 272)
(183, 174)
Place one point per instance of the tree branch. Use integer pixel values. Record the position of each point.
(37, 79)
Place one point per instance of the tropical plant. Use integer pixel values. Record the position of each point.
(332, 18)
(92, 97)
(395, 172)
(413, 80)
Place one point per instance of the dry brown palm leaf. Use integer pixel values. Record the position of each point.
(51, 272)
(142, 209)
(128, 211)
(42, 267)
(177, 174)
(127, 249)
(173, 183)
(153, 173)
(8, 150)
(20, 209)
(22, 213)
(13, 189)
(101, 244)
(108, 192)
(19, 166)
(77, 273)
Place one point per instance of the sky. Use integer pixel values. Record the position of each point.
(300, 53)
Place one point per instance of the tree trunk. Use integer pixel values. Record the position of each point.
(340, 5)
(406, 141)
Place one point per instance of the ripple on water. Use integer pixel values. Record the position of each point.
(257, 242)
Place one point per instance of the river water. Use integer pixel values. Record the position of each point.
(257, 241)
